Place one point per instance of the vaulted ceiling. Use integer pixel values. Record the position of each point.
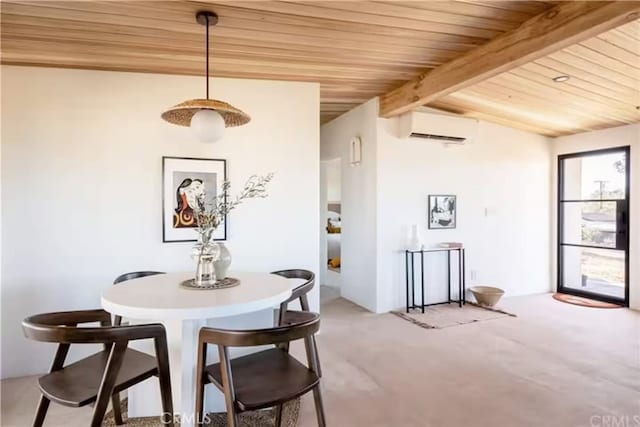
(356, 50)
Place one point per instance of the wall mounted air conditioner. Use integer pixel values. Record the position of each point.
(448, 129)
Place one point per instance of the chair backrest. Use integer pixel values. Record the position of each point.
(308, 324)
(304, 288)
(61, 327)
(117, 320)
(135, 275)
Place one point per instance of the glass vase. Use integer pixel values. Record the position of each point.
(206, 256)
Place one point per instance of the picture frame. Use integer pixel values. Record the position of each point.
(183, 178)
(442, 213)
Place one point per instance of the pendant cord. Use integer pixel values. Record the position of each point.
(207, 48)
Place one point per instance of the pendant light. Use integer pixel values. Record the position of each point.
(208, 118)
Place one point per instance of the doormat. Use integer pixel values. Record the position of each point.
(290, 415)
(584, 302)
(446, 316)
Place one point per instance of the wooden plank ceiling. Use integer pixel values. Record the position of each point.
(603, 89)
(356, 50)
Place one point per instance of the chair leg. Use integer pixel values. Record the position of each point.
(317, 356)
(117, 411)
(314, 365)
(232, 417)
(200, 382)
(281, 313)
(100, 409)
(41, 411)
(281, 316)
(229, 390)
(304, 302)
(117, 320)
(108, 382)
(278, 416)
(164, 377)
(317, 398)
(199, 399)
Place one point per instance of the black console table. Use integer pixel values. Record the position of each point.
(411, 282)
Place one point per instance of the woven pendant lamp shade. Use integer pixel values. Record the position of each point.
(182, 113)
(208, 128)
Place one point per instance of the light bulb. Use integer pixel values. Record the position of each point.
(207, 125)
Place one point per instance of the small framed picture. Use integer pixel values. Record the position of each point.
(442, 211)
(184, 180)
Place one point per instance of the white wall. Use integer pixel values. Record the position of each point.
(614, 137)
(501, 181)
(358, 194)
(81, 193)
(323, 221)
(334, 170)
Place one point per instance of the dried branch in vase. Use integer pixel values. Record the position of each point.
(210, 215)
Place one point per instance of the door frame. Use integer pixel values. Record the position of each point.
(560, 230)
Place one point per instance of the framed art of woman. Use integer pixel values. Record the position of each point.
(184, 181)
(186, 197)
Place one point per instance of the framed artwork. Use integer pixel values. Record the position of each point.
(442, 211)
(184, 179)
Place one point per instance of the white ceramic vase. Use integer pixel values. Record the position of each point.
(414, 243)
(222, 263)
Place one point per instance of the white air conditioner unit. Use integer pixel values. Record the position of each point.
(448, 129)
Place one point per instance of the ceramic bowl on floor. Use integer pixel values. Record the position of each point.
(487, 295)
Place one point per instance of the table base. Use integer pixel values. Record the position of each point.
(144, 399)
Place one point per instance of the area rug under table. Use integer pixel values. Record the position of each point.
(448, 315)
(290, 416)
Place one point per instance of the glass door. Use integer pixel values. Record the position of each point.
(593, 229)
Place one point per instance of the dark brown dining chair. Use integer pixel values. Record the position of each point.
(300, 292)
(265, 379)
(117, 320)
(100, 377)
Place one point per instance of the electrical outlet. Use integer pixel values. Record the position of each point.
(474, 274)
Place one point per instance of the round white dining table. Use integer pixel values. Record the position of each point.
(160, 298)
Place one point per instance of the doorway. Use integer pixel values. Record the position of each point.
(593, 224)
(332, 230)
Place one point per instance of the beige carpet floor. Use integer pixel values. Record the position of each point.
(554, 365)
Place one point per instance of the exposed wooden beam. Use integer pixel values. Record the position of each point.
(562, 26)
